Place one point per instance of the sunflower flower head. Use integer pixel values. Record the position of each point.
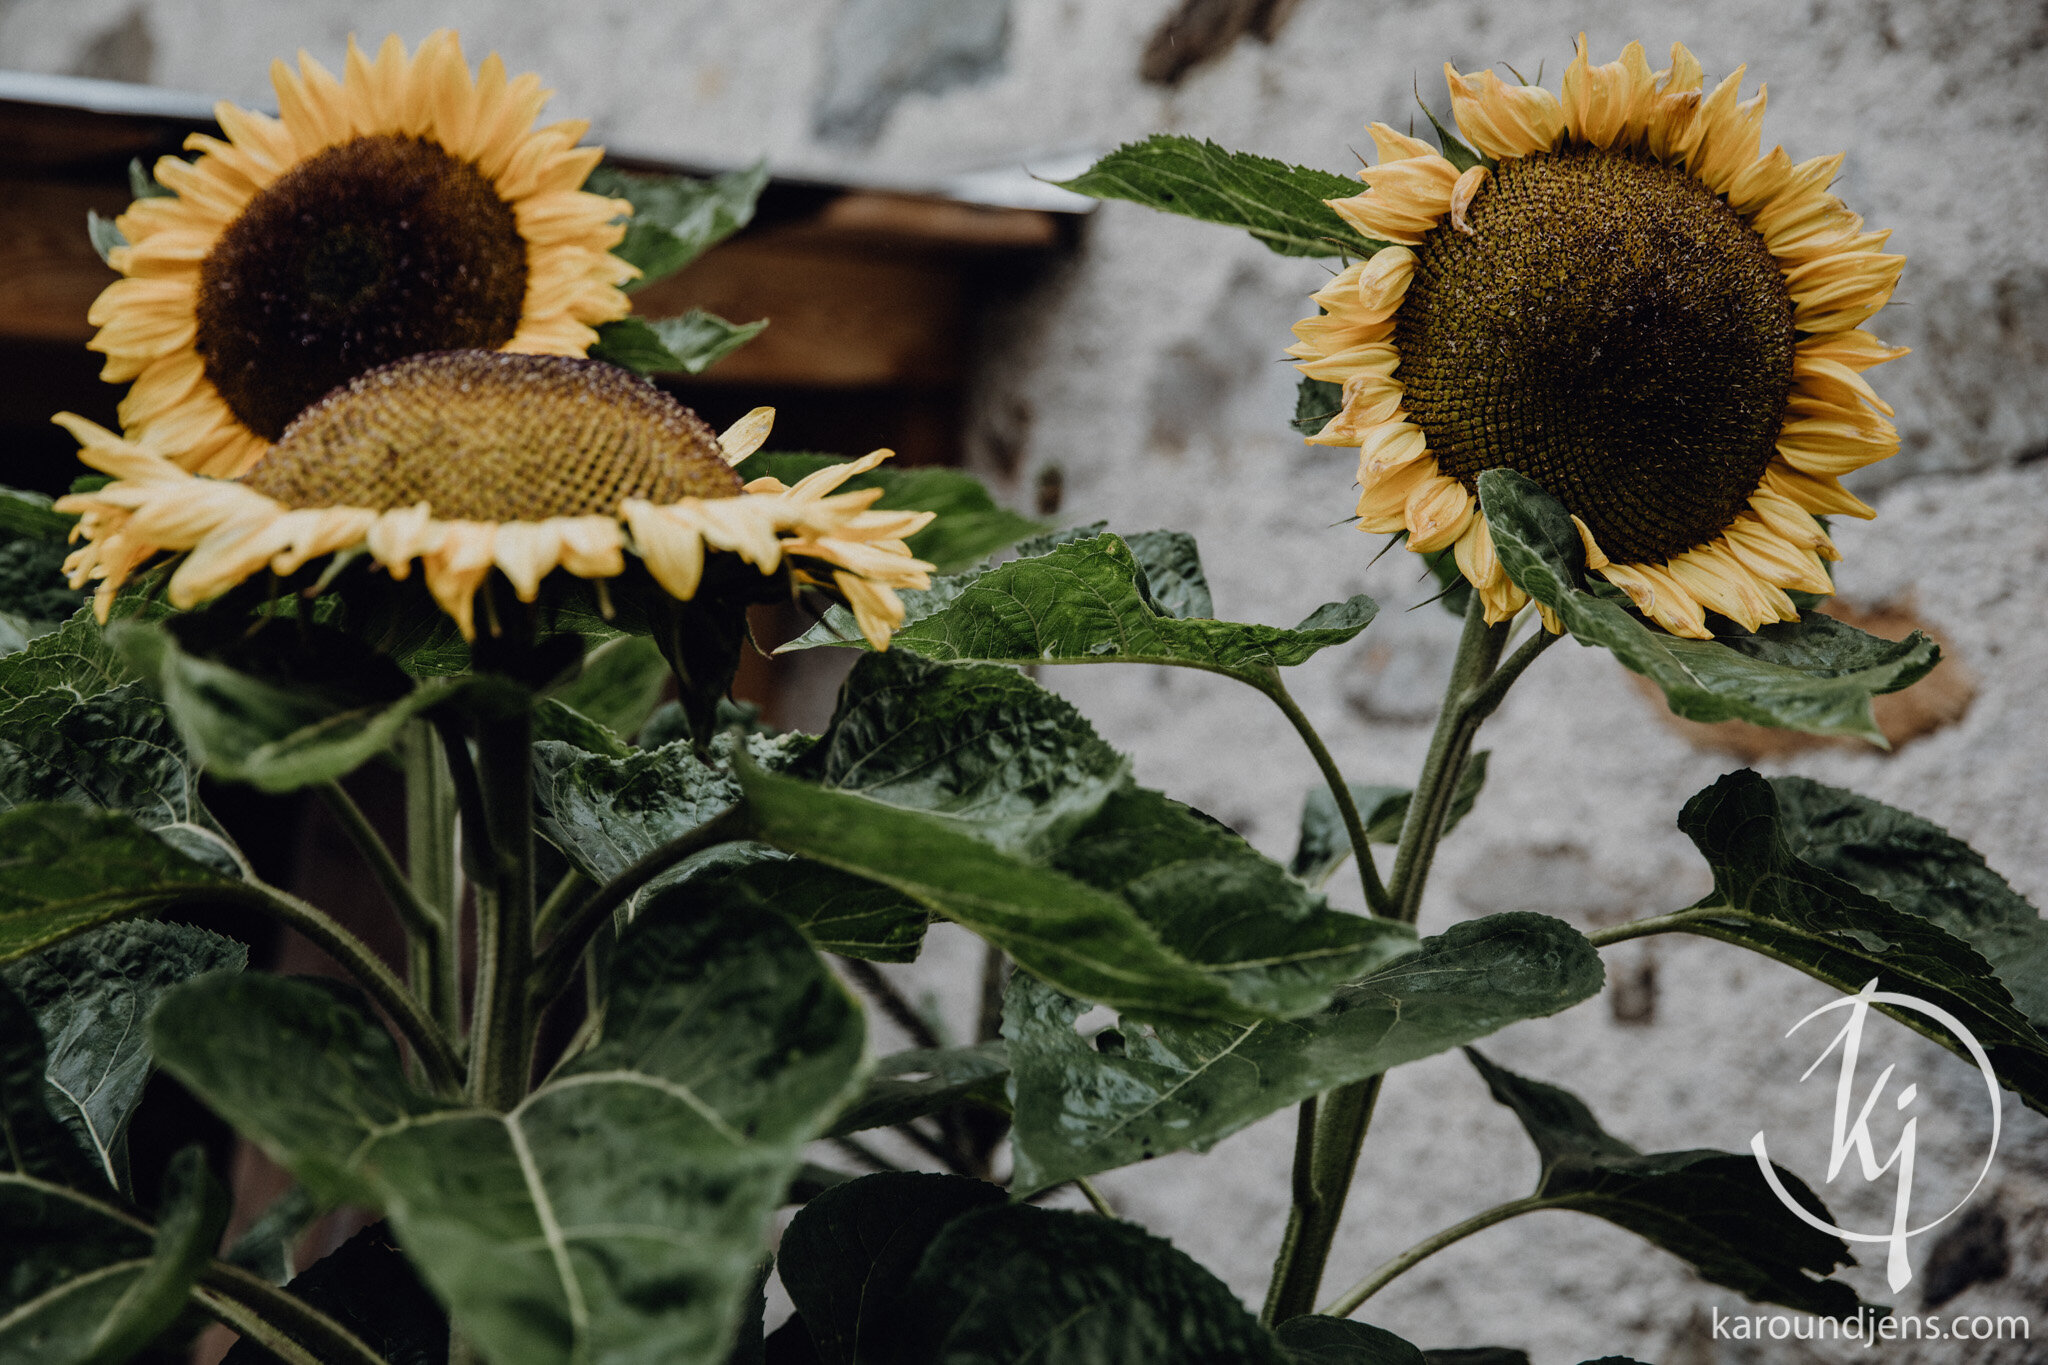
(406, 206)
(472, 462)
(1629, 302)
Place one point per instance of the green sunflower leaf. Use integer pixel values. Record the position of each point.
(33, 1140)
(1316, 401)
(1916, 866)
(1281, 205)
(89, 996)
(979, 794)
(909, 1085)
(1323, 845)
(689, 344)
(677, 218)
(27, 515)
(65, 869)
(620, 686)
(68, 1265)
(1143, 1090)
(299, 726)
(1312, 1339)
(849, 1255)
(1090, 601)
(1004, 1285)
(1816, 675)
(1775, 893)
(969, 525)
(1712, 1210)
(621, 1211)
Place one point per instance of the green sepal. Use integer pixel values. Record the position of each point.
(1281, 205)
(1816, 674)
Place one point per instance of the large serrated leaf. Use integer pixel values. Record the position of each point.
(1816, 674)
(620, 1212)
(677, 218)
(1082, 1107)
(65, 869)
(280, 734)
(84, 1283)
(1006, 1286)
(1281, 205)
(1713, 1210)
(1788, 907)
(1916, 866)
(33, 1142)
(90, 995)
(984, 748)
(992, 801)
(66, 1266)
(968, 527)
(1088, 601)
(850, 1252)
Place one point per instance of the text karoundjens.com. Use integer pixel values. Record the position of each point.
(1869, 1328)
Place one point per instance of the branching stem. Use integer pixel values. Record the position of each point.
(286, 1324)
(1376, 898)
(1347, 1303)
(421, 921)
(418, 1028)
(503, 1017)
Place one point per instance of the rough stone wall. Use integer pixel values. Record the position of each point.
(1145, 370)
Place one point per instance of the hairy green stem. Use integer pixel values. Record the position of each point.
(1478, 650)
(1094, 1196)
(869, 978)
(557, 963)
(1354, 828)
(1334, 1132)
(1678, 921)
(434, 872)
(1332, 1127)
(382, 985)
(260, 1310)
(1347, 1303)
(419, 919)
(502, 1017)
(558, 904)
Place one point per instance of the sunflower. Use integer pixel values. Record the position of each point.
(474, 461)
(405, 207)
(1624, 300)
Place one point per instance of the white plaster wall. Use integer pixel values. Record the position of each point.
(1146, 369)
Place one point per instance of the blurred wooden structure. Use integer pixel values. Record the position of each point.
(870, 293)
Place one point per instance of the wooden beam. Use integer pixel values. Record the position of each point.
(49, 273)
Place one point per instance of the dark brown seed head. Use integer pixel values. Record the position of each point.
(1614, 331)
(380, 247)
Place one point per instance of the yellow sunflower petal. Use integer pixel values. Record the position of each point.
(1501, 119)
